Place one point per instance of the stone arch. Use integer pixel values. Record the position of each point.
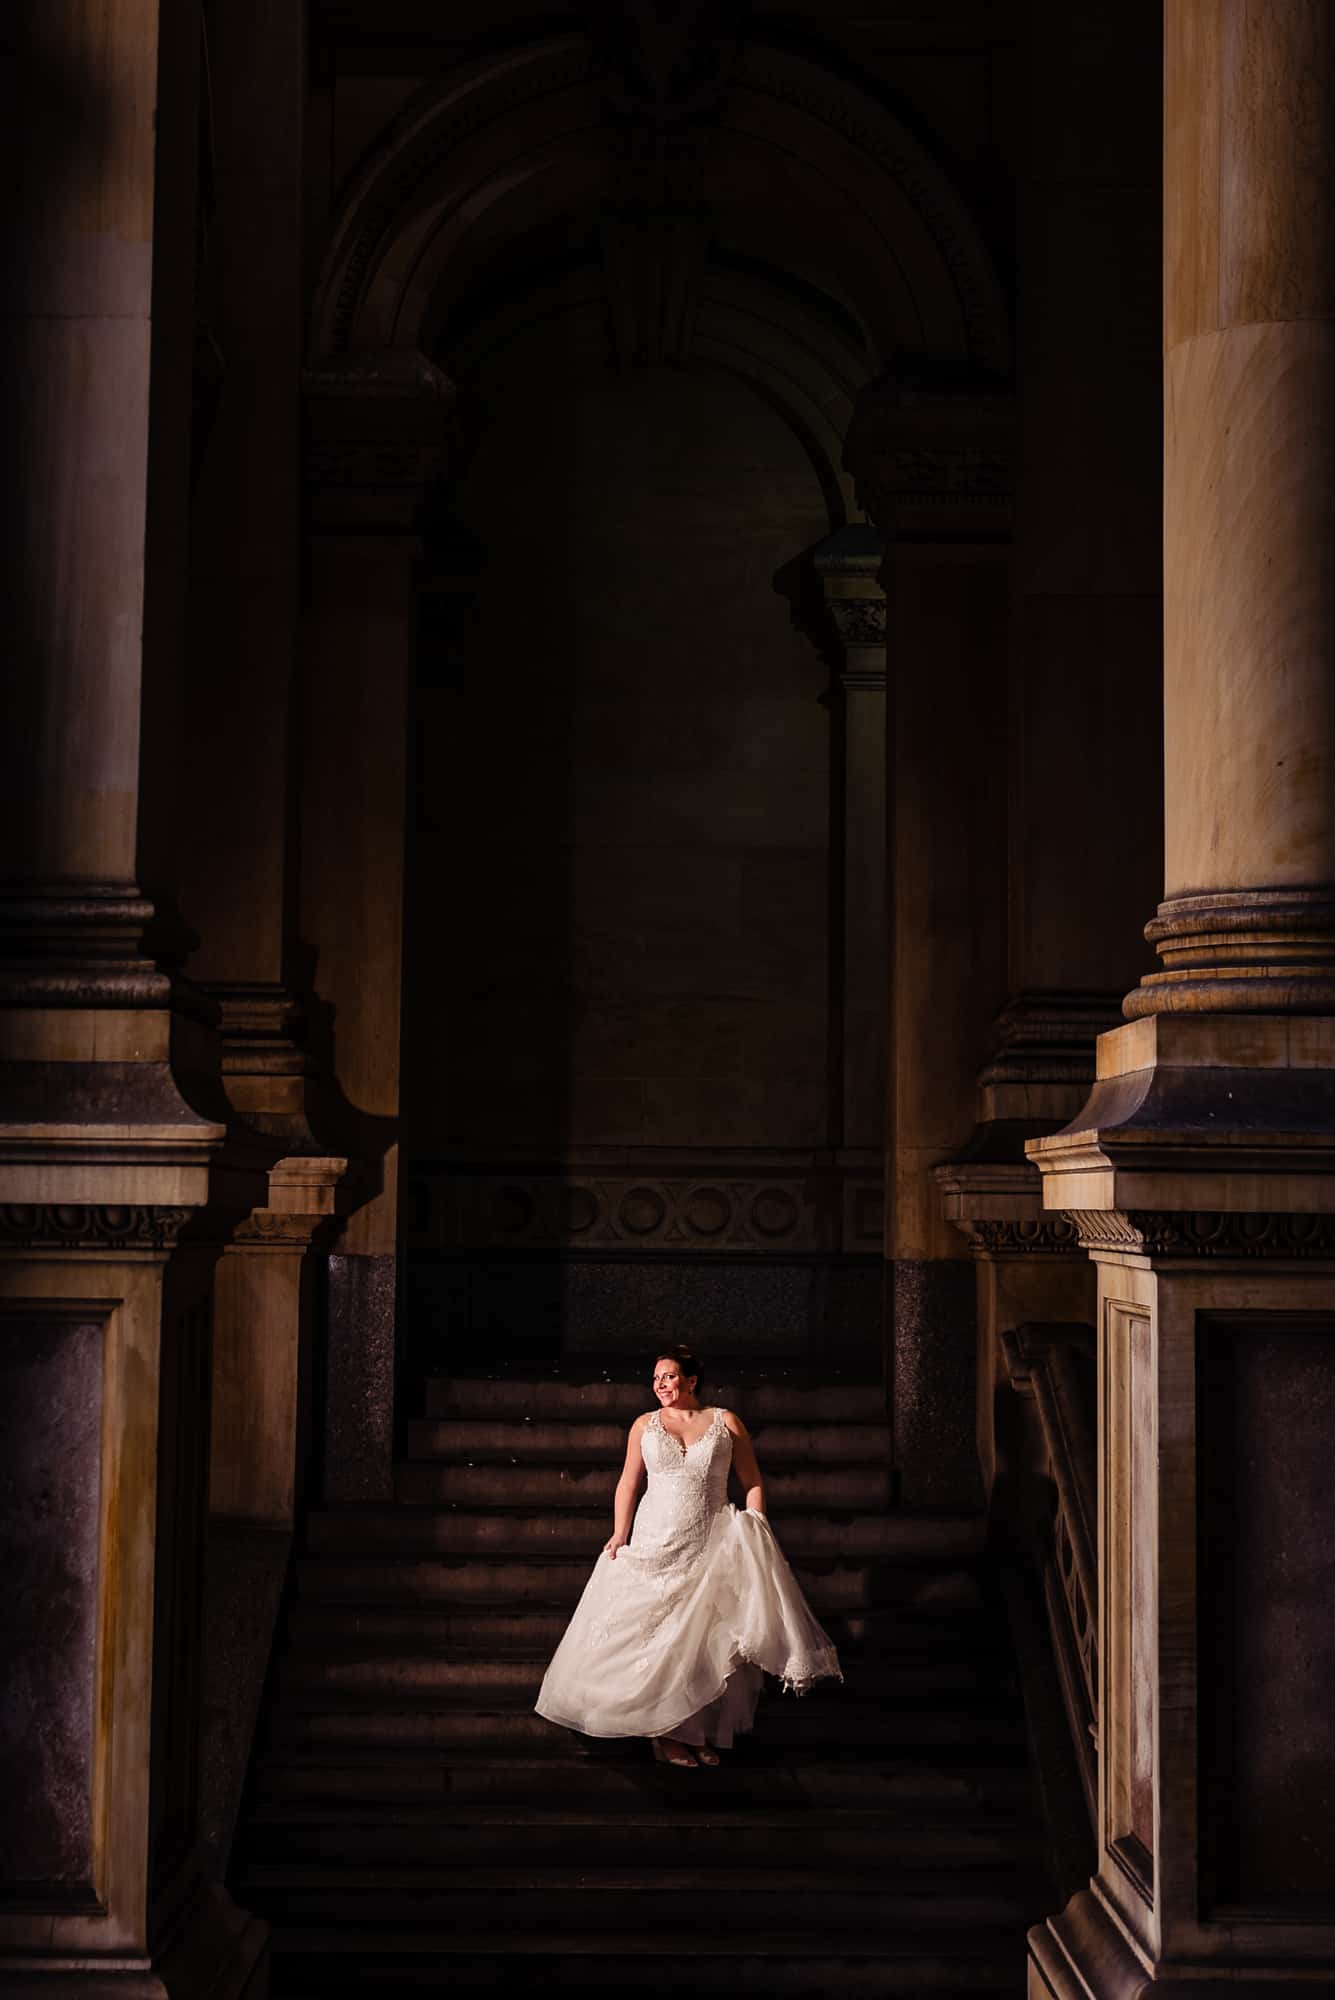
(796, 154)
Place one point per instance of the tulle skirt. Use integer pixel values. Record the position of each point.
(665, 1645)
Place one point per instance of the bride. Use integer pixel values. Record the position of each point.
(680, 1619)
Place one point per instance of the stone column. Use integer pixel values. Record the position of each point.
(1201, 1173)
(1085, 667)
(378, 428)
(235, 850)
(104, 1164)
(933, 469)
(849, 564)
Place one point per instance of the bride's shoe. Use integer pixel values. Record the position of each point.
(668, 1751)
(707, 1755)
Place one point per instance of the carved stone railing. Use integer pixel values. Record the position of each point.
(1055, 1366)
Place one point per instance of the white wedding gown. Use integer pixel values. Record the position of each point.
(672, 1635)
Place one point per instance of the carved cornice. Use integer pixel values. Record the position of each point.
(65, 1226)
(932, 458)
(378, 428)
(1206, 1233)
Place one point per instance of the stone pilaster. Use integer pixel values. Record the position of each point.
(849, 565)
(933, 462)
(378, 430)
(1201, 1171)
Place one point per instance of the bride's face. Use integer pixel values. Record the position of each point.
(671, 1386)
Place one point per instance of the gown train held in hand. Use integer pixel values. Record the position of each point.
(672, 1635)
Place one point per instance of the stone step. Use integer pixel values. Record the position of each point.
(806, 1728)
(340, 1626)
(475, 1440)
(763, 1838)
(315, 1960)
(557, 1899)
(535, 1487)
(363, 1670)
(919, 1596)
(949, 1539)
(612, 1395)
(622, 1777)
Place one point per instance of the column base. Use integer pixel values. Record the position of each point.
(218, 1953)
(1241, 951)
(1082, 1955)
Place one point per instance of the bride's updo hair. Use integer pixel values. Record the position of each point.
(687, 1361)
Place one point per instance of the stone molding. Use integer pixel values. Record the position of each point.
(1206, 1233)
(78, 944)
(1241, 951)
(104, 1226)
(1049, 1037)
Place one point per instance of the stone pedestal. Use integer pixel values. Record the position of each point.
(1200, 1179)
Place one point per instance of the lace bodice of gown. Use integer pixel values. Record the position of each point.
(688, 1484)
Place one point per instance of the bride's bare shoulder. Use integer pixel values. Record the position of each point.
(734, 1423)
(640, 1423)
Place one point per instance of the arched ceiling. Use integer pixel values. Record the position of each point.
(776, 220)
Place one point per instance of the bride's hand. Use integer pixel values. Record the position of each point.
(612, 1544)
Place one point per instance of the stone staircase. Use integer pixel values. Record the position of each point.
(412, 1823)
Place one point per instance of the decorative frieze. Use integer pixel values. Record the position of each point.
(1044, 1235)
(723, 1210)
(1205, 1233)
(67, 1226)
(934, 456)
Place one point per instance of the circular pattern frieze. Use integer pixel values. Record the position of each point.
(579, 1210)
(707, 1211)
(774, 1212)
(642, 1210)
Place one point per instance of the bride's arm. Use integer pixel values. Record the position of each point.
(623, 1507)
(744, 1462)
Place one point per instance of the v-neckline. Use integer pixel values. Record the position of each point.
(681, 1445)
